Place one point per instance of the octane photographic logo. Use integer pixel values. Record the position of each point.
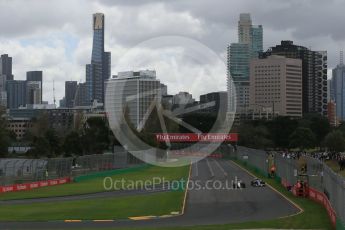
(183, 64)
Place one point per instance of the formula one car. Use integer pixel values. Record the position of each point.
(238, 184)
(258, 183)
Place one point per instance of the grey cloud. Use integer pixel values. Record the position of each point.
(36, 17)
(315, 23)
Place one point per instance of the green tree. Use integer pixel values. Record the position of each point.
(254, 136)
(6, 136)
(5, 141)
(335, 141)
(54, 143)
(317, 123)
(95, 137)
(47, 144)
(39, 148)
(280, 129)
(72, 144)
(302, 138)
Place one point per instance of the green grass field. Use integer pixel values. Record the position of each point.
(98, 208)
(101, 208)
(96, 185)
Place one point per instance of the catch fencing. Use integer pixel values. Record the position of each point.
(258, 160)
(286, 170)
(18, 171)
(325, 180)
(320, 177)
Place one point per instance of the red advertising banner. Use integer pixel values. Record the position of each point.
(197, 137)
(322, 198)
(33, 185)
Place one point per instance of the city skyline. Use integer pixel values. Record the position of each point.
(60, 45)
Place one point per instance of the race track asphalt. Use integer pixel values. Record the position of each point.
(204, 206)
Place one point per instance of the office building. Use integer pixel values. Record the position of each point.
(250, 43)
(133, 92)
(81, 96)
(276, 85)
(6, 66)
(16, 93)
(314, 74)
(3, 92)
(61, 119)
(99, 70)
(70, 91)
(331, 114)
(183, 98)
(238, 61)
(257, 40)
(337, 89)
(19, 126)
(5, 75)
(33, 92)
(62, 103)
(164, 89)
(330, 92)
(36, 76)
(218, 100)
(244, 28)
(167, 101)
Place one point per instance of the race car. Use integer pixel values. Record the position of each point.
(258, 183)
(238, 184)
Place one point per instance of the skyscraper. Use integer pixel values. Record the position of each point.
(314, 76)
(257, 40)
(16, 93)
(99, 70)
(6, 66)
(250, 43)
(276, 85)
(37, 77)
(34, 76)
(70, 91)
(244, 28)
(134, 92)
(81, 95)
(3, 92)
(33, 92)
(5, 75)
(337, 89)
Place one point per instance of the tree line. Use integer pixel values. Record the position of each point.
(311, 131)
(92, 137)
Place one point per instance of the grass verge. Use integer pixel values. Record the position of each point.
(96, 185)
(108, 208)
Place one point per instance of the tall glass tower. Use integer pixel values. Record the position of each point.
(257, 40)
(338, 88)
(99, 70)
(250, 43)
(244, 28)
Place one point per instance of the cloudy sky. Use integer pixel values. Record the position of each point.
(56, 35)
